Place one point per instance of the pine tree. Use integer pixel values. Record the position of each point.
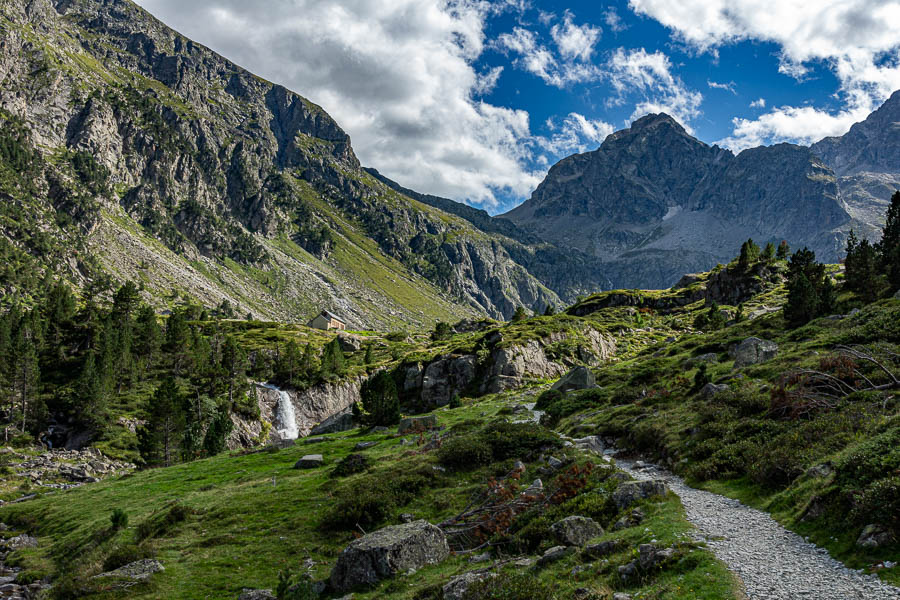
(803, 302)
(380, 401)
(308, 366)
(889, 247)
(749, 254)
(126, 301)
(234, 365)
(809, 296)
(783, 251)
(368, 359)
(147, 336)
(220, 427)
(289, 366)
(519, 314)
(178, 340)
(861, 268)
(160, 438)
(549, 311)
(25, 369)
(333, 362)
(58, 311)
(91, 395)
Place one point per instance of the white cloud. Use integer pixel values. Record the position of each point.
(761, 103)
(649, 75)
(613, 20)
(856, 39)
(397, 75)
(577, 133)
(571, 63)
(729, 87)
(574, 41)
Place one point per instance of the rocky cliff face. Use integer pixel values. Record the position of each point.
(653, 203)
(194, 174)
(867, 162)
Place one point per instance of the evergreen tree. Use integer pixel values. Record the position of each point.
(827, 297)
(889, 247)
(58, 311)
(160, 438)
(380, 401)
(441, 331)
(178, 340)
(549, 311)
(861, 268)
(368, 360)
(783, 251)
(768, 255)
(91, 395)
(803, 301)
(308, 366)
(126, 301)
(749, 254)
(333, 362)
(25, 372)
(289, 366)
(234, 365)
(147, 336)
(519, 314)
(220, 427)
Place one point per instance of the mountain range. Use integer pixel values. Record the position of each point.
(131, 152)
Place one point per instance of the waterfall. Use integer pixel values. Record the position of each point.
(285, 419)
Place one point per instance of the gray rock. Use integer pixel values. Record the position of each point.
(633, 519)
(536, 488)
(711, 390)
(21, 541)
(579, 378)
(554, 554)
(621, 596)
(349, 342)
(897, 295)
(874, 536)
(364, 445)
(417, 424)
(591, 443)
(257, 595)
(555, 463)
(314, 440)
(310, 461)
(752, 351)
(456, 588)
(445, 377)
(137, 571)
(480, 558)
(633, 491)
(595, 551)
(575, 530)
(342, 421)
(818, 471)
(387, 552)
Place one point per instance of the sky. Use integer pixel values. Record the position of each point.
(475, 99)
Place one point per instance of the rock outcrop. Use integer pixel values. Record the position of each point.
(575, 530)
(753, 351)
(630, 492)
(388, 552)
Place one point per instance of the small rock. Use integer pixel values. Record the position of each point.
(710, 390)
(407, 518)
(137, 571)
(313, 440)
(480, 558)
(310, 461)
(364, 445)
(554, 554)
(555, 463)
(21, 541)
(822, 470)
(379, 429)
(591, 443)
(632, 491)
(621, 596)
(248, 594)
(457, 587)
(595, 551)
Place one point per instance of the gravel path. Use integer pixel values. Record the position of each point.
(773, 563)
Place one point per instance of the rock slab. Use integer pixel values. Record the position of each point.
(387, 552)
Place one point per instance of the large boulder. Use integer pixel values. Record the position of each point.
(579, 378)
(575, 530)
(349, 342)
(874, 536)
(386, 552)
(632, 491)
(310, 461)
(753, 351)
(417, 424)
(445, 377)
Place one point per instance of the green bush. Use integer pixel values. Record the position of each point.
(351, 464)
(879, 503)
(519, 440)
(511, 586)
(294, 588)
(870, 461)
(118, 519)
(126, 554)
(465, 452)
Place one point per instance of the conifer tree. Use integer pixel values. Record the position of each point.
(91, 395)
(749, 254)
(147, 336)
(519, 314)
(234, 365)
(308, 365)
(380, 401)
(783, 251)
(160, 438)
(25, 369)
(368, 359)
(289, 365)
(806, 289)
(889, 247)
(549, 311)
(333, 362)
(220, 427)
(768, 255)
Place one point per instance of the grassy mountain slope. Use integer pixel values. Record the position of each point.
(157, 159)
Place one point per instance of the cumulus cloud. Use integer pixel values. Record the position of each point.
(760, 103)
(649, 75)
(576, 133)
(569, 64)
(856, 39)
(398, 75)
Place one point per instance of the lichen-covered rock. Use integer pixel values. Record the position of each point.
(387, 552)
(257, 595)
(554, 554)
(456, 588)
(633, 491)
(874, 536)
(753, 351)
(137, 571)
(445, 377)
(579, 378)
(575, 530)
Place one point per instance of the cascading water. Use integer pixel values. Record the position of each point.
(285, 419)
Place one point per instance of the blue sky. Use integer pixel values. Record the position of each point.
(475, 99)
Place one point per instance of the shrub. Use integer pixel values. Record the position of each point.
(511, 586)
(880, 503)
(291, 588)
(118, 519)
(519, 440)
(126, 554)
(455, 402)
(465, 452)
(351, 464)
(870, 461)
